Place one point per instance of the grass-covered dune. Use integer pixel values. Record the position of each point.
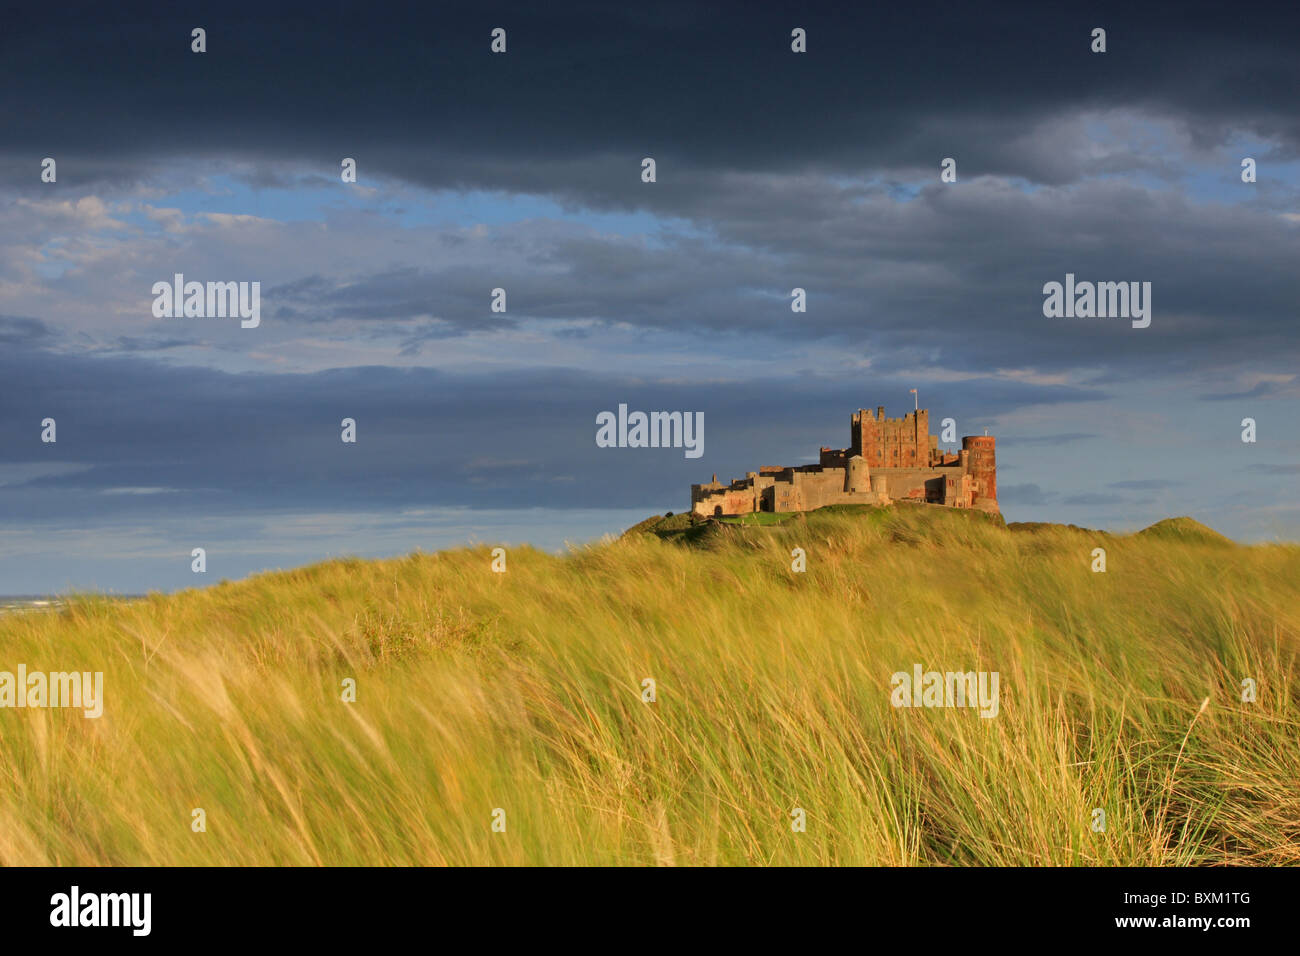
(522, 691)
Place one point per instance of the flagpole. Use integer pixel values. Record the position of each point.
(916, 426)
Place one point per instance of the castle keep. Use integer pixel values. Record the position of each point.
(887, 459)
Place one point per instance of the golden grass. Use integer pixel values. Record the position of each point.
(522, 691)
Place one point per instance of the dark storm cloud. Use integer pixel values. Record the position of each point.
(755, 145)
(412, 90)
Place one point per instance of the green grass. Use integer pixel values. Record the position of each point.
(758, 518)
(522, 691)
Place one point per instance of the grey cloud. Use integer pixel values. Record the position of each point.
(1092, 499)
(19, 330)
(1262, 390)
(133, 343)
(1024, 495)
(952, 278)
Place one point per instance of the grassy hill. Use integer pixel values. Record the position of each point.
(1185, 530)
(523, 691)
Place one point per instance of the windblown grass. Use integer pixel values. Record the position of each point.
(522, 691)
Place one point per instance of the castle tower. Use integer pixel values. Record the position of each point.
(893, 442)
(980, 461)
(857, 477)
(865, 436)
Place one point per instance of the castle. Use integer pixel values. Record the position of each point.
(887, 459)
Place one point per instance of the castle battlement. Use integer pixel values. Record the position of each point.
(887, 459)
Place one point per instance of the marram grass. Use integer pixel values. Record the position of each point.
(522, 691)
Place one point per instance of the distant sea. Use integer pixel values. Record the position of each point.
(28, 602)
(16, 603)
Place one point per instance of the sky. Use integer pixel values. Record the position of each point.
(522, 170)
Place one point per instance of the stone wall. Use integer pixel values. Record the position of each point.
(900, 459)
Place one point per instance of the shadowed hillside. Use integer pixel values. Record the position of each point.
(523, 691)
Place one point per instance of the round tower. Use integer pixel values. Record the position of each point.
(857, 476)
(880, 485)
(980, 460)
